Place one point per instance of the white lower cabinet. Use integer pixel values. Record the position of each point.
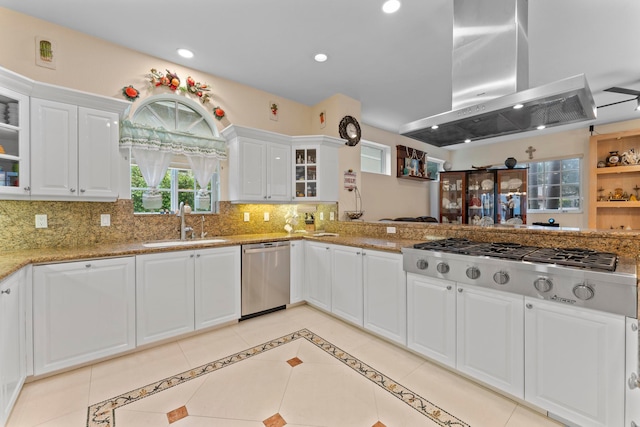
(346, 283)
(385, 295)
(431, 318)
(317, 274)
(13, 359)
(164, 295)
(169, 284)
(575, 363)
(217, 286)
(296, 249)
(490, 341)
(82, 311)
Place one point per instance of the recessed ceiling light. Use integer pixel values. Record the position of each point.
(541, 127)
(320, 57)
(518, 106)
(466, 141)
(185, 53)
(391, 6)
(434, 127)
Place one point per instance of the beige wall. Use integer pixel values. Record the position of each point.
(391, 197)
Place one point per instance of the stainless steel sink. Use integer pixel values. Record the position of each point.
(323, 234)
(170, 243)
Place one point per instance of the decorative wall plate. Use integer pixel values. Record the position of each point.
(349, 129)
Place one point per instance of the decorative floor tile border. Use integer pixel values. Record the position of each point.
(103, 414)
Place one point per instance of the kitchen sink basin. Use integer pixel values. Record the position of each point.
(323, 234)
(181, 243)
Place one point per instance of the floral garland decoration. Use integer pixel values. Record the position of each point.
(274, 108)
(131, 93)
(172, 81)
(218, 113)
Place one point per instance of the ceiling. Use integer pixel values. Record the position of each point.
(398, 66)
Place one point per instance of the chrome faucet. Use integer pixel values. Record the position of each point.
(183, 228)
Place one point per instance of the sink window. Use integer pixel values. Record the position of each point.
(555, 186)
(175, 155)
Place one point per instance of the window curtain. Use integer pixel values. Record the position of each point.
(153, 149)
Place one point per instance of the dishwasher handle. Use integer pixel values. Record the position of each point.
(263, 249)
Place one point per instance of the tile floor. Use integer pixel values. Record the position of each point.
(313, 371)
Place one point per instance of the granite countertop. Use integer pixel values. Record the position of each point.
(11, 262)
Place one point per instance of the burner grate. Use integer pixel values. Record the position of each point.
(575, 257)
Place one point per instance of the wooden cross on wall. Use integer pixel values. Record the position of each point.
(530, 151)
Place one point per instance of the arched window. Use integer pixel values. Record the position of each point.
(176, 149)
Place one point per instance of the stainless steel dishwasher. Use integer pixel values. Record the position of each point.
(265, 277)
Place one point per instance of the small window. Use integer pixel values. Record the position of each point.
(375, 158)
(555, 186)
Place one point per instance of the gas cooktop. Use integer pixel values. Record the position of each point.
(571, 257)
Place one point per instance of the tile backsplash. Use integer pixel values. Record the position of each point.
(75, 224)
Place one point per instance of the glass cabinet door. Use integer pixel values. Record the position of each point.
(481, 198)
(452, 197)
(306, 172)
(14, 143)
(512, 196)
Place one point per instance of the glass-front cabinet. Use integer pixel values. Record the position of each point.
(452, 197)
(306, 172)
(484, 197)
(14, 144)
(512, 196)
(481, 197)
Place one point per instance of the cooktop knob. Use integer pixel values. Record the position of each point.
(442, 267)
(501, 277)
(583, 292)
(543, 284)
(473, 273)
(422, 264)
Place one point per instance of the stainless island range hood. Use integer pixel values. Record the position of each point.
(490, 77)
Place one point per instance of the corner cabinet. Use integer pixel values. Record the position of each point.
(315, 168)
(614, 202)
(268, 167)
(259, 165)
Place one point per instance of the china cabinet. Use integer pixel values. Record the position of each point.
(614, 201)
(453, 207)
(101, 320)
(484, 197)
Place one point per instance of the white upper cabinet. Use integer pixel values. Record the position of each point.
(270, 167)
(315, 168)
(14, 143)
(58, 143)
(259, 162)
(74, 152)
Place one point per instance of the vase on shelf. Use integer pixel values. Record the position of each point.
(613, 158)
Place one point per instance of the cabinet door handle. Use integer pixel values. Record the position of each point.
(634, 327)
(6, 291)
(191, 256)
(357, 253)
(73, 190)
(27, 188)
(82, 190)
(460, 290)
(633, 381)
(198, 256)
(529, 306)
(449, 287)
(87, 265)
